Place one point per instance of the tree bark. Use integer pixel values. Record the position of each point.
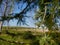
(44, 16)
(1, 24)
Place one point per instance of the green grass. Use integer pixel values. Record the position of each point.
(22, 37)
(12, 37)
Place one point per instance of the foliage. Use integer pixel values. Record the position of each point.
(28, 35)
(55, 36)
(35, 42)
(29, 38)
(48, 14)
(16, 9)
(47, 40)
(10, 5)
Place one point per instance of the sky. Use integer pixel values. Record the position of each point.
(30, 21)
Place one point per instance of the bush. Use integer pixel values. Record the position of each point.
(55, 36)
(28, 35)
(35, 42)
(47, 40)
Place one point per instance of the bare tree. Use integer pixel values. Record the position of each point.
(7, 4)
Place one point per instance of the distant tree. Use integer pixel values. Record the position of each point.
(48, 14)
(7, 7)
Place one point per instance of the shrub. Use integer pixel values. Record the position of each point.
(35, 42)
(55, 36)
(28, 35)
(47, 40)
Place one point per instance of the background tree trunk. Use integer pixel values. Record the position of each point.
(1, 24)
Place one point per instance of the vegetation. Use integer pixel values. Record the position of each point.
(48, 14)
(16, 37)
(9, 13)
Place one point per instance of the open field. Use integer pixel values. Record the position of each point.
(24, 29)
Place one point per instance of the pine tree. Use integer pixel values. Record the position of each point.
(48, 14)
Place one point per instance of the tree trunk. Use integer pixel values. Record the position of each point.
(1, 24)
(44, 16)
(8, 25)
